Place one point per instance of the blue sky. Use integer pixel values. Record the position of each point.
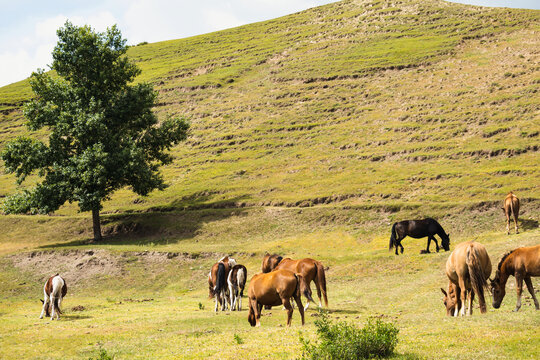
(28, 28)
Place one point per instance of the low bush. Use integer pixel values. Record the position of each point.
(341, 340)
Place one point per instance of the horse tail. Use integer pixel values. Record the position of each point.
(476, 274)
(321, 280)
(220, 281)
(241, 279)
(302, 287)
(55, 304)
(392, 238)
(512, 205)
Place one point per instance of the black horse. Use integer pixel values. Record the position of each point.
(418, 229)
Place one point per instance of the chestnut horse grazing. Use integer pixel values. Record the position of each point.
(511, 209)
(276, 288)
(217, 281)
(237, 282)
(311, 270)
(522, 263)
(467, 268)
(53, 292)
(418, 229)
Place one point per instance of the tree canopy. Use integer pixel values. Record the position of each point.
(102, 133)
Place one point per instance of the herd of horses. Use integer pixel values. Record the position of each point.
(282, 280)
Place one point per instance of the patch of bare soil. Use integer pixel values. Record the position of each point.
(77, 266)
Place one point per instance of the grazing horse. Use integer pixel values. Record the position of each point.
(311, 270)
(53, 292)
(418, 229)
(522, 263)
(451, 299)
(276, 288)
(217, 281)
(237, 282)
(511, 209)
(467, 268)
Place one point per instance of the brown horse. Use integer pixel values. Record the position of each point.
(217, 281)
(511, 208)
(467, 268)
(522, 263)
(273, 289)
(311, 270)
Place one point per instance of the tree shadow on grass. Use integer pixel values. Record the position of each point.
(162, 225)
(528, 224)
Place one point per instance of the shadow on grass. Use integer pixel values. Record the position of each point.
(528, 224)
(74, 317)
(343, 311)
(181, 220)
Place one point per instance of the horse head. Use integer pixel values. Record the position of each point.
(450, 301)
(445, 241)
(270, 262)
(232, 262)
(497, 291)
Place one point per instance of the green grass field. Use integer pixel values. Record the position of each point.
(311, 134)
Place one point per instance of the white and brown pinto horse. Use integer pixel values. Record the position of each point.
(467, 268)
(276, 288)
(237, 282)
(522, 263)
(53, 292)
(217, 281)
(311, 270)
(511, 209)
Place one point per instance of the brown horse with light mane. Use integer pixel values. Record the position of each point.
(467, 268)
(311, 270)
(522, 263)
(217, 281)
(273, 289)
(511, 208)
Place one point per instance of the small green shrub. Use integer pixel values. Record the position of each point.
(201, 306)
(342, 340)
(238, 339)
(103, 355)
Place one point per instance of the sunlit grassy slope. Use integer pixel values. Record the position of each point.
(363, 101)
(311, 134)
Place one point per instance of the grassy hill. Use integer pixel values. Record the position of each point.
(311, 134)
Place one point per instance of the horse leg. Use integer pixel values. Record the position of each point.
(507, 224)
(515, 223)
(471, 299)
(298, 300)
(436, 243)
(401, 246)
(458, 300)
(53, 312)
(287, 303)
(318, 286)
(231, 294)
(217, 301)
(257, 310)
(531, 291)
(463, 296)
(45, 304)
(519, 289)
(307, 304)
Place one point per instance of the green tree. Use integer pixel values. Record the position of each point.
(103, 135)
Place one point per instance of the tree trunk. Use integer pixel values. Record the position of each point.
(97, 225)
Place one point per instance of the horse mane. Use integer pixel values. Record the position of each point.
(504, 258)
